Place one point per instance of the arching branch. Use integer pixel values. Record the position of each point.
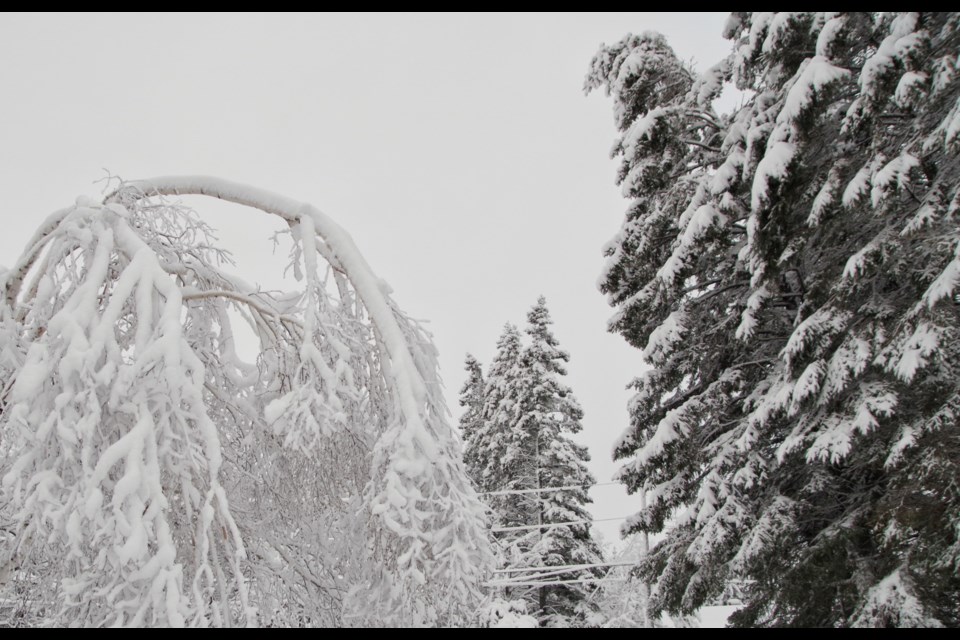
(342, 251)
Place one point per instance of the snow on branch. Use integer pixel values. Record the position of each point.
(183, 486)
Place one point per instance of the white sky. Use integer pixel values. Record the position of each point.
(458, 150)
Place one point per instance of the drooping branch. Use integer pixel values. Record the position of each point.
(343, 401)
(15, 277)
(342, 249)
(244, 299)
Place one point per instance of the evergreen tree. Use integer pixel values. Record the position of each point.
(548, 414)
(471, 399)
(492, 450)
(790, 271)
(522, 445)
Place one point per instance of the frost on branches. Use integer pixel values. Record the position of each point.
(792, 273)
(152, 477)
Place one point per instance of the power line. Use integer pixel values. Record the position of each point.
(553, 582)
(513, 492)
(568, 566)
(530, 527)
(540, 576)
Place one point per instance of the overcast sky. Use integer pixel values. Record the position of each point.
(458, 150)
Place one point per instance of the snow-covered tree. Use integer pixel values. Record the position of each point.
(471, 399)
(622, 596)
(152, 477)
(790, 271)
(548, 415)
(492, 450)
(523, 446)
(502, 614)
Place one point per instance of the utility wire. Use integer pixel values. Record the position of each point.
(513, 492)
(554, 582)
(530, 527)
(568, 566)
(539, 576)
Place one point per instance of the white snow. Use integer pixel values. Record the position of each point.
(917, 351)
(716, 617)
(503, 614)
(671, 428)
(895, 173)
(773, 166)
(893, 602)
(821, 323)
(117, 380)
(640, 129)
(404, 372)
(951, 125)
(709, 85)
(807, 385)
(824, 198)
(849, 360)
(906, 438)
(945, 284)
(857, 263)
(813, 76)
(667, 335)
(705, 217)
(778, 25)
(925, 215)
(945, 68)
(901, 41)
(828, 34)
(699, 216)
(277, 408)
(910, 88)
(727, 173)
(748, 320)
(859, 185)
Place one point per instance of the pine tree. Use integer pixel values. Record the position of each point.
(790, 271)
(471, 399)
(491, 450)
(523, 445)
(548, 415)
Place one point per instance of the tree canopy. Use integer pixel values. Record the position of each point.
(790, 272)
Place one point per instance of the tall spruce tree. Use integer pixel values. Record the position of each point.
(548, 415)
(520, 445)
(471, 399)
(491, 454)
(488, 453)
(790, 271)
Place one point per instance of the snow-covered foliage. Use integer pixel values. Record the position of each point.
(152, 477)
(507, 614)
(893, 603)
(471, 398)
(521, 444)
(622, 596)
(790, 271)
(491, 452)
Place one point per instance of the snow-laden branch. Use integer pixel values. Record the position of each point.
(14, 278)
(368, 286)
(245, 299)
(185, 486)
